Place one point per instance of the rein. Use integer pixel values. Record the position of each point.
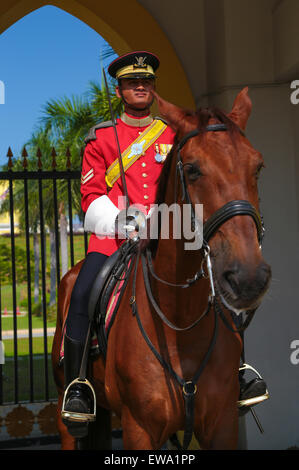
(189, 387)
(210, 227)
(156, 307)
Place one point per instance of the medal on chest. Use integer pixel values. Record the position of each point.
(162, 151)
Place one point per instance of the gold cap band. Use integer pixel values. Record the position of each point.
(133, 70)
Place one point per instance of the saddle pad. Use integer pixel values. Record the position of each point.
(113, 302)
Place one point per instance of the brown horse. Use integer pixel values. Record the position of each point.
(173, 360)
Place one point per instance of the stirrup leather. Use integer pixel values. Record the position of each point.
(75, 416)
(254, 400)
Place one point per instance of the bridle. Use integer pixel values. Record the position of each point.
(226, 212)
(215, 221)
(210, 227)
(220, 216)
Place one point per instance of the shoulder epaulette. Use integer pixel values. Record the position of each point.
(158, 118)
(92, 132)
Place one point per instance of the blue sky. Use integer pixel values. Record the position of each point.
(47, 54)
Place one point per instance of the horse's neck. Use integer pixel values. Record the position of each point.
(173, 257)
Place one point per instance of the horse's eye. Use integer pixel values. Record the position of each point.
(193, 171)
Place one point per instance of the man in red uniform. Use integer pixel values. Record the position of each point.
(144, 143)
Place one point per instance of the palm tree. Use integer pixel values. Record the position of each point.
(69, 119)
(99, 100)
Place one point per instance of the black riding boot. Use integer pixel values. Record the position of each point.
(78, 401)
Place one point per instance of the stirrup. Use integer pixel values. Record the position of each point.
(75, 416)
(254, 400)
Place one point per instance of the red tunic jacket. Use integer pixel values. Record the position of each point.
(141, 177)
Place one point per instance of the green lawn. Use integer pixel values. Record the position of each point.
(23, 346)
(7, 323)
(23, 322)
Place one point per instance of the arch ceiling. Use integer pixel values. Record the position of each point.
(125, 26)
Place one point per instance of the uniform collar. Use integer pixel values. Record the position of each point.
(135, 121)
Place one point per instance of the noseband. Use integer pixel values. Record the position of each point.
(226, 212)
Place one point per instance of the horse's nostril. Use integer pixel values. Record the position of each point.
(240, 282)
(231, 282)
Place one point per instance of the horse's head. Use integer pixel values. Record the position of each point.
(221, 166)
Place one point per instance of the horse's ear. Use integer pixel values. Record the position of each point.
(241, 109)
(170, 112)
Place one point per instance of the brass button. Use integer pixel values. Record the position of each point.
(145, 185)
(144, 175)
(145, 196)
(143, 164)
(146, 207)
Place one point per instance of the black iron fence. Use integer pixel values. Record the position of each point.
(40, 205)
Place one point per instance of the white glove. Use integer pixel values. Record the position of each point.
(129, 223)
(100, 217)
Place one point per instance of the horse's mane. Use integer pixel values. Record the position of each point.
(202, 117)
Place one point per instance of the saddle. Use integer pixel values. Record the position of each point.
(107, 291)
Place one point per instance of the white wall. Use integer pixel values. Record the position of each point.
(225, 45)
